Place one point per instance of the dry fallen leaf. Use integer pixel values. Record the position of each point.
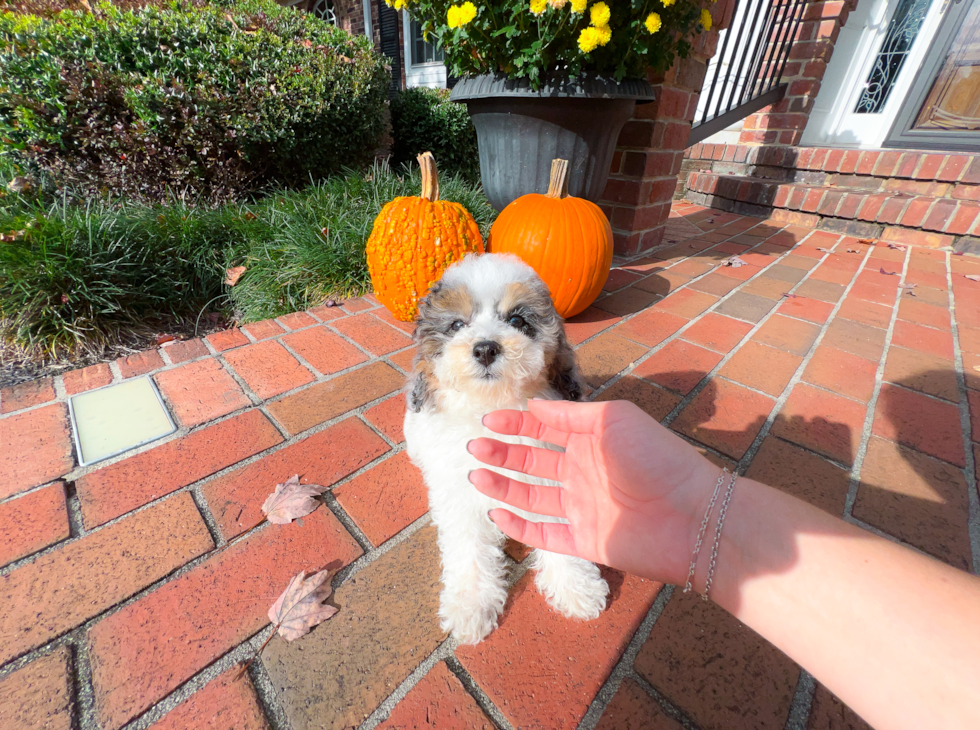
(897, 247)
(824, 249)
(958, 253)
(19, 184)
(790, 296)
(249, 216)
(977, 368)
(909, 286)
(291, 501)
(853, 250)
(163, 339)
(735, 262)
(866, 240)
(887, 273)
(301, 607)
(233, 274)
(972, 277)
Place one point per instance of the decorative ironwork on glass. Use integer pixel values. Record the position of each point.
(323, 9)
(902, 32)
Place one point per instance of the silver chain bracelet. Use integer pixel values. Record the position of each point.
(703, 530)
(718, 529)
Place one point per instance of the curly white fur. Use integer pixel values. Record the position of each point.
(450, 392)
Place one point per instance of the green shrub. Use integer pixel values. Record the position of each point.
(200, 102)
(425, 120)
(72, 276)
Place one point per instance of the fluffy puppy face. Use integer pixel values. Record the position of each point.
(489, 335)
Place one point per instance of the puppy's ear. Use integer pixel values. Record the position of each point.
(420, 394)
(563, 375)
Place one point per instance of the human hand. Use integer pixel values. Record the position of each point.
(632, 491)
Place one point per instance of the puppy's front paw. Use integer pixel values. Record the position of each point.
(583, 602)
(574, 588)
(468, 618)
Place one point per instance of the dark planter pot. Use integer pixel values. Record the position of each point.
(520, 131)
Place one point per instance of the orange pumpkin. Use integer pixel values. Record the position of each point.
(568, 241)
(414, 240)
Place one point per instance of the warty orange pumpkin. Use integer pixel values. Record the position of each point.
(414, 240)
(567, 240)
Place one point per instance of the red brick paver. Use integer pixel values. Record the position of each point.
(116, 489)
(35, 447)
(32, 522)
(38, 696)
(226, 703)
(153, 599)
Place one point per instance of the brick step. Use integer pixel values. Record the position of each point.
(888, 214)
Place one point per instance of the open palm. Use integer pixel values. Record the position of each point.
(632, 491)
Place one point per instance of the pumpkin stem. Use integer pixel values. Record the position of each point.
(430, 177)
(558, 185)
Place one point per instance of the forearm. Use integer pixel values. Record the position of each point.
(894, 634)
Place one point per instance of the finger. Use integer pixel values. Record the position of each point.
(550, 536)
(542, 500)
(532, 460)
(522, 423)
(567, 416)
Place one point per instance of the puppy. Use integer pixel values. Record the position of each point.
(488, 338)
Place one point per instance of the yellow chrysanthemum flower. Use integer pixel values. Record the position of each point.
(706, 19)
(452, 16)
(578, 6)
(538, 6)
(599, 15)
(467, 11)
(588, 39)
(605, 34)
(652, 22)
(668, 3)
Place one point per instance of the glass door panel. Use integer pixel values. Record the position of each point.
(953, 101)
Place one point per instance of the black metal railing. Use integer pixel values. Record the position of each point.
(746, 73)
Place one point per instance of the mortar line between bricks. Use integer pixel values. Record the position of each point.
(362, 540)
(728, 356)
(302, 360)
(383, 710)
(970, 469)
(269, 698)
(624, 666)
(495, 714)
(158, 709)
(703, 383)
(203, 481)
(78, 634)
(446, 651)
(63, 397)
(869, 416)
(666, 705)
(688, 284)
(799, 708)
(84, 684)
(797, 376)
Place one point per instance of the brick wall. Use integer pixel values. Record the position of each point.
(927, 199)
(651, 147)
(783, 122)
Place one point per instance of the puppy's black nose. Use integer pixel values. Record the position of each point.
(486, 351)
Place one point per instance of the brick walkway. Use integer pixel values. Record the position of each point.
(133, 590)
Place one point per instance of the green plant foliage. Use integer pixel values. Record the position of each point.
(205, 102)
(544, 40)
(73, 275)
(423, 120)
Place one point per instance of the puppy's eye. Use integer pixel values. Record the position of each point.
(457, 325)
(516, 321)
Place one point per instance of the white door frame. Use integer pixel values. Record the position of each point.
(833, 121)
